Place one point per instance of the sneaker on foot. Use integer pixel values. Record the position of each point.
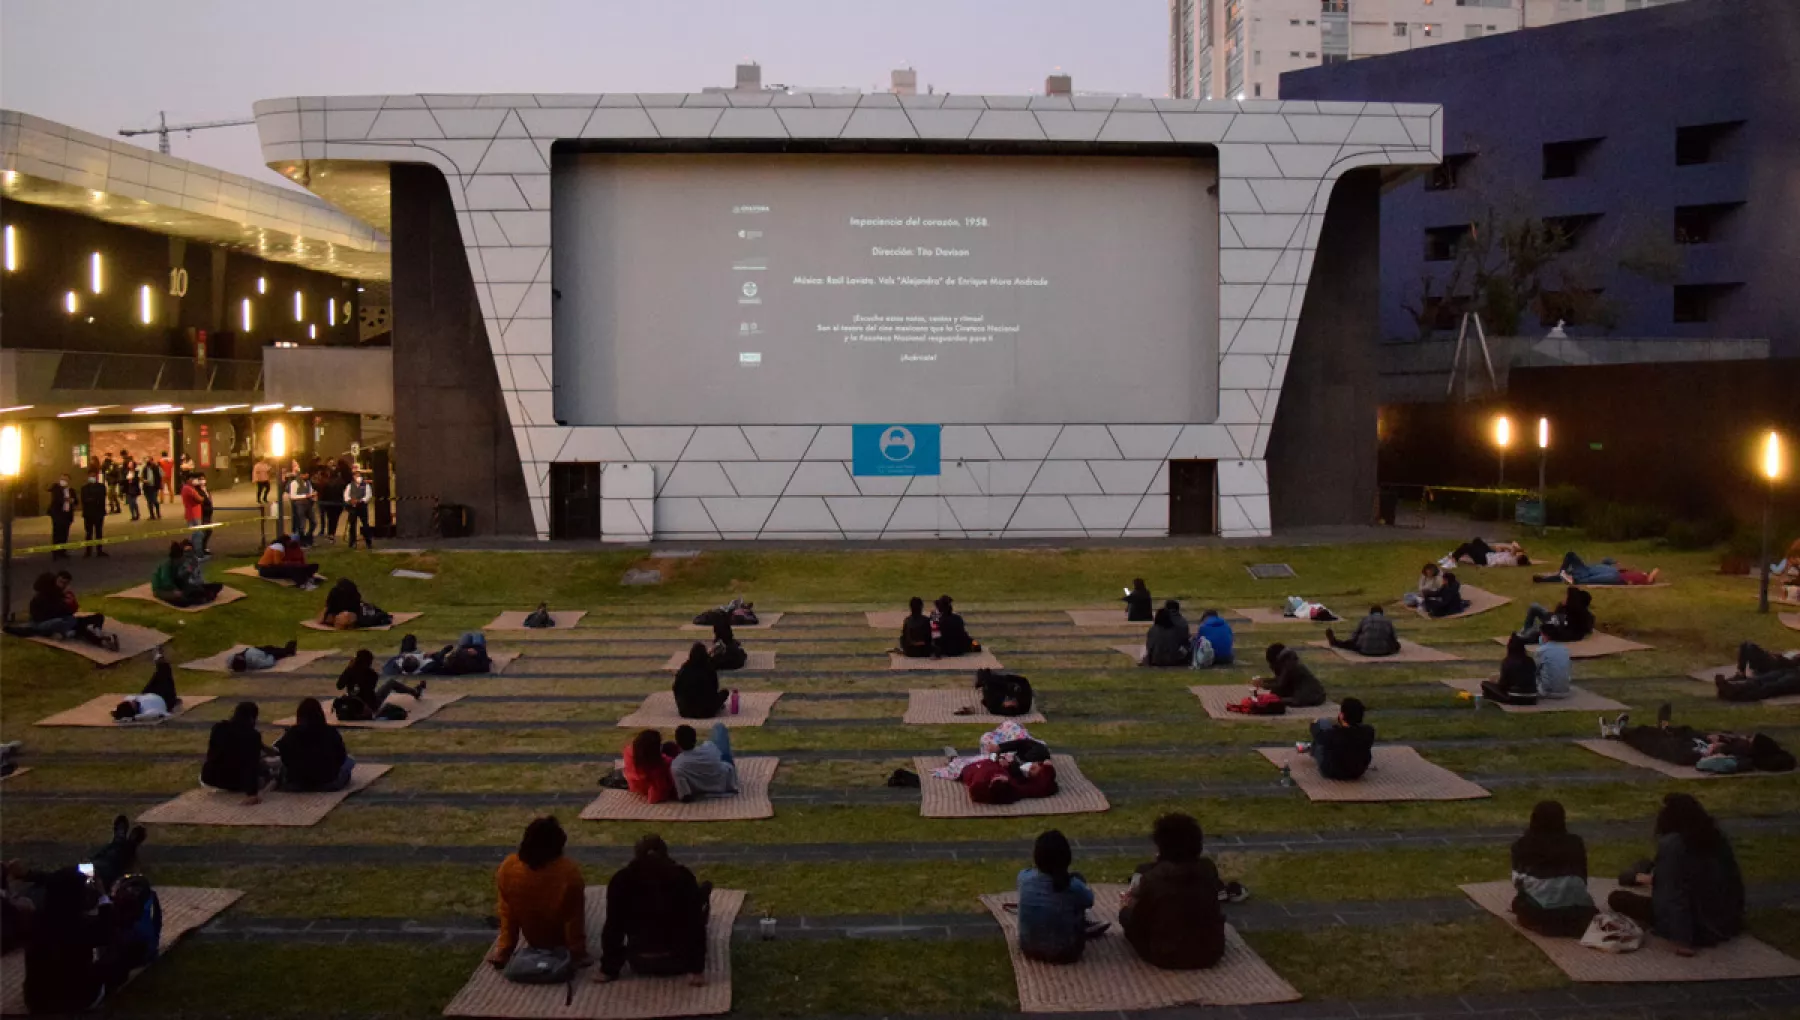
(1234, 892)
(112, 642)
(949, 752)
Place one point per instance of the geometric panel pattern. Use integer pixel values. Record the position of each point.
(1278, 162)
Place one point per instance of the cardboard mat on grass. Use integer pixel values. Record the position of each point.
(1214, 699)
(749, 803)
(983, 659)
(183, 910)
(284, 582)
(1076, 794)
(217, 807)
(763, 622)
(133, 641)
(399, 618)
(1398, 773)
(1593, 646)
(98, 712)
(1623, 587)
(1263, 616)
(515, 620)
(142, 593)
(754, 662)
(221, 663)
(488, 994)
(955, 708)
(1479, 600)
(1729, 670)
(1410, 652)
(1741, 959)
(658, 712)
(21, 770)
(1579, 700)
(887, 619)
(1791, 621)
(1105, 619)
(1618, 750)
(1111, 978)
(416, 710)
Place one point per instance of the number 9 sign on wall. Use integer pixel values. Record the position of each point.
(890, 450)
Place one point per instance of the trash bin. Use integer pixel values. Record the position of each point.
(1389, 509)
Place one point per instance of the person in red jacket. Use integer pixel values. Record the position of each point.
(647, 768)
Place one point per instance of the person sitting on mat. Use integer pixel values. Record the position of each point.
(1696, 891)
(1053, 904)
(359, 681)
(696, 688)
(1760, 675)
(916, 632)
(1518, 680)
(285, 560)
(1137, 602)
(1431, 577)
(1217, 633)
(67, 969)
(1005, 694)
(1497, 554)
(55, 614)
(313, 757)
(1549, 876)
(1555, 668)
(540, 618)
(1718, 752)
(1166, 645)
(950, 638)
(543, 900)
(1293, 683)
(178, 580)
(258, 657)
(1572, 620)
(703, 769)
(236, 757)
(726, 653)
(656, 918)
(1344, 747)
(1447, 600)
(1171, 913)
(1606, 572)
(1373, 638)
(647, 771)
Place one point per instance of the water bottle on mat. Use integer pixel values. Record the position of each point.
(734, 701)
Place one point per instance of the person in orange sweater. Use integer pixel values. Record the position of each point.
(541, 896)
(285, 560)
(647, 768)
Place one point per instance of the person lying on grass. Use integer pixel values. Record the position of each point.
(1011, 766)
(1606, 572)
(1760, 675)
(157, 699)
(1721, 752)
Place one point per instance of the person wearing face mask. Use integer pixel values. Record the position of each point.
(62, 515)
(93, 514)
(356, 502)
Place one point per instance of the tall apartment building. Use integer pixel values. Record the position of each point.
(1238, 49)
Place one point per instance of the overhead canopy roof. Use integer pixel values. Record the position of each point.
(51, 164)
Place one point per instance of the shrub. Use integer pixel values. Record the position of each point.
(1622, 522)
(1702, 534)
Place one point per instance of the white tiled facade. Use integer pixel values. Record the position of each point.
(1277, 165)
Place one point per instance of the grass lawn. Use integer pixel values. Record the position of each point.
(1137, 733)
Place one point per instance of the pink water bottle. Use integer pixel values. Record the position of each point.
(734, 701)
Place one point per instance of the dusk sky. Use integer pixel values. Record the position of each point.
(105, 64)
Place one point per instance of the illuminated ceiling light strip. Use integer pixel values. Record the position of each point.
(262, 285)
(299, 307)
(16, 407)
(266, 407)
(96, 273)
(153, 409)
(79, 412)
(145, 312)
(245, 308)
(297, 409)
(12, 248)
(331, 311)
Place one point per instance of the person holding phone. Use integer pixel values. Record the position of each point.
(1137, 602)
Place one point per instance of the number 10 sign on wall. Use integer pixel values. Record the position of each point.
(895, 450)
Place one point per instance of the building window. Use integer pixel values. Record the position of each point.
(1399, 28)
(1294, 53)
(1441, 243)
(1565, 159)
(1572, 308)
(1632, 5)
(1334, 6)
(1596, 6)
(1564, 233)
(1471, 31)
(1309, 21)
(1702, 302)
(1705, 143)
(1431, 29)
(1293, 21)
(1444, 176)
(1336, 58)
(1312, 55)
(1256, 58)
(1704, 224)
(1257, 89)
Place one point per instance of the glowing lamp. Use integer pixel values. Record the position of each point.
(1502, 431)
(1543, 433)
(11, 448)
(278, 439)
(96, 273)
(1771, 456)
(245, 312)
(146, 309)
(12, 248)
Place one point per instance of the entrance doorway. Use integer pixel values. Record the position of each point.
(575, 501)
(1193, 503)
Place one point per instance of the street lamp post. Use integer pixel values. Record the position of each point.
(1502, 440)
(1543, 460)
(278, 450)
(1771, 471)
(11, 454)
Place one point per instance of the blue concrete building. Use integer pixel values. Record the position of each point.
(1663, 144)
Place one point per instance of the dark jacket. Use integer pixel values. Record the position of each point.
(655, 919)
(93, 500)
(1697, 896)
(697, 690)
(1550, 876)
(342, 598)
(62, 500)
(61, 975)
(915, 637)
(1519, 676)
(1573, 620)
(1447, 600)
(1137, 606)
(1168, 646)
(1295, 684)
(1346, 750)
(953, 637)
(1375, 636)
(232, 752)
(359, 682)
(311, 756)
(1004, 693)
(49, 605)
(1174, 921)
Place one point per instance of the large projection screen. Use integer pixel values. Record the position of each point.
(738, 288)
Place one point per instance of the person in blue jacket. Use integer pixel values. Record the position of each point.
(1218, 634)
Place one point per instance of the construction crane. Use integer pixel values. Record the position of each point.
(163, 127)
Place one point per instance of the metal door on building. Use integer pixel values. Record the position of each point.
(1193, 499)
(575, 501)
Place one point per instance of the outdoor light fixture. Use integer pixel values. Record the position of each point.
(96, 274)
(1543, 433)
(69, 303)
(258, 409)
(278, 439)
(12, 248)
(1771, 457)
(1502, 440)
(299, 307)
(245, 308)
(331, 311)
(262, 285)
(312, 331)
(1771, 472)
(145, 312)
(12, 444)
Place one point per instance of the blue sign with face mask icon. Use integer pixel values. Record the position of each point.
(895, 450)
